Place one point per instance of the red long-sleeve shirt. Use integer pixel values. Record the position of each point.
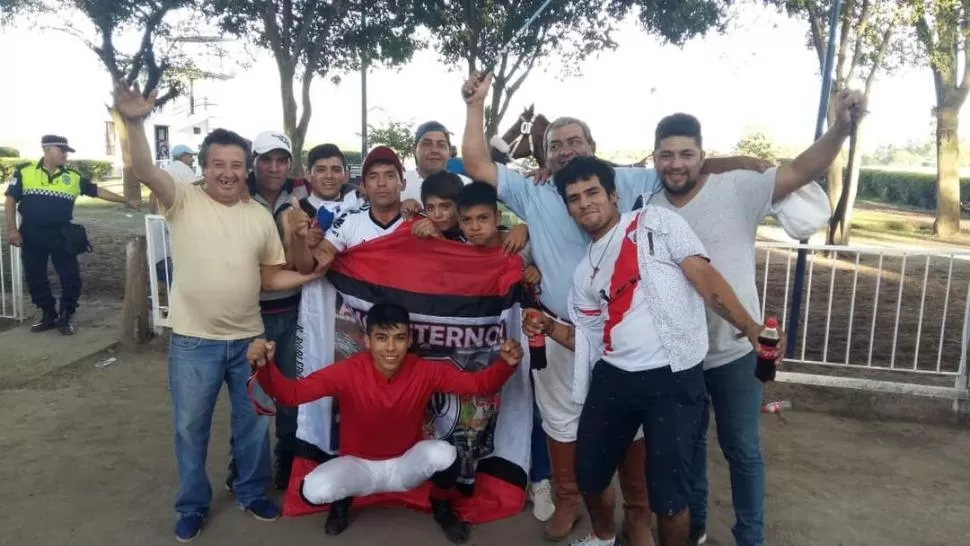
(381, 418)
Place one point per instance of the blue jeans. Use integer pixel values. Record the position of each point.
(541, 467)
(196, 370)
(736, 396)
(281, 329)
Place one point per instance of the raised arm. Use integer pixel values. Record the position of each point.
(474, 148)
(134, 108)
(813, 162)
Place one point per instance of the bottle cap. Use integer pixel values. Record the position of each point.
(771, 322)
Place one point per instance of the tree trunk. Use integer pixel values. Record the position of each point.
(132, 188)
(492, 126)
(947, 171)
(290, 125)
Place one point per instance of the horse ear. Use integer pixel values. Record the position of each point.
(531, 109)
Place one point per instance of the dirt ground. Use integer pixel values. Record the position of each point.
(88, 461)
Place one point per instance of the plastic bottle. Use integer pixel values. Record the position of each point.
(769, 338)
(537, 346)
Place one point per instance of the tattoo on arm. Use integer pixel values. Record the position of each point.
(718, 306)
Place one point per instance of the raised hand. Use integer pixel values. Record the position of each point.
(850, 108)
(425, 229)
(131, 104)
(535, 322)
(476, 88)
(260, 352)
(511, 352)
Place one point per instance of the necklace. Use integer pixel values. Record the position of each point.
(589, 253)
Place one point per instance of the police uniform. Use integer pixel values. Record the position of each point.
(45, 201)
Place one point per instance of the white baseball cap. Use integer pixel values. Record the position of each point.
(267, 141)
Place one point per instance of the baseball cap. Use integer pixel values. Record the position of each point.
(55, 140)
(181, 150)
(267, 141)
(431, 126)
(385, 155)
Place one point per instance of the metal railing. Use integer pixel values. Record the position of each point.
(875, 318)
(11, 281)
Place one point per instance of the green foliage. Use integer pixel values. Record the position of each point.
(89, 168)
(323, 36)
(903, 188)
(8, 151)
(397, 135)
(675, 21)
(757, 145)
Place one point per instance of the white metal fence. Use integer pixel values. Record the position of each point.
(11, 280)
(872, 318)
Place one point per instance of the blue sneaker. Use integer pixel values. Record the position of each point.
(188, 527)
(263, 510)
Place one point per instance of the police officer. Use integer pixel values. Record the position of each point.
(44, 194)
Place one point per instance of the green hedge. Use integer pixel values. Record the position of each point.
(90, 168)
(903, 188)
(7, 151)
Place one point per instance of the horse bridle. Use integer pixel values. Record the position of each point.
(525, 130)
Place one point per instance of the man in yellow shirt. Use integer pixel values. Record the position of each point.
(225, 249)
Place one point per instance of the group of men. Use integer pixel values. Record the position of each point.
(646, 285)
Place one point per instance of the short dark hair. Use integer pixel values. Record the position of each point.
(443, 185)
(324, 151)
(680, 124)
(581, 168)
(385, 315)
(224, 137)
(478, 193)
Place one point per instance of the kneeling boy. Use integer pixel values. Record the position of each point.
(383, 395)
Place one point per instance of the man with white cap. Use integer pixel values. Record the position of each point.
(271, 186)
(182, 167)
(432, 150)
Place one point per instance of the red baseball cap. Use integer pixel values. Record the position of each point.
(382, 154)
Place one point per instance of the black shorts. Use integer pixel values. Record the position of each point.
(668, 405)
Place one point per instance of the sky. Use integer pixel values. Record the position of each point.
(759, 76)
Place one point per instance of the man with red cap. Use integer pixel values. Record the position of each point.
(383, 182)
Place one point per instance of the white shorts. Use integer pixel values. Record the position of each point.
(553, 388)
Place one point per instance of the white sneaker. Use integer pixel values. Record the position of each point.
(540, 494)
(591, 540)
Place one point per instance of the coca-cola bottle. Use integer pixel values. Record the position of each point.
(768, 353)
(537, 345)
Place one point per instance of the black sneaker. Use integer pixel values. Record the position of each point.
(456, 530)
(698, 536)
(283, 467)
(48, 321)
(64, 324)
(338, 519)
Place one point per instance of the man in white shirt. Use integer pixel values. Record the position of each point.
(637, 303)
(182, 166)
(724, 210)
(432, 150)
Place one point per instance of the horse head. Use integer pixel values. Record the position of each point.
(525, 138)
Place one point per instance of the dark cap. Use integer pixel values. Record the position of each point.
(431, 126)
(382, 154)
(54, 140)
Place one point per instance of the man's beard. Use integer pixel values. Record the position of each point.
(684, 189)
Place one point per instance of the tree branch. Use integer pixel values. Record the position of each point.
(926, 37)
(815, 25)
(965, 33)
(861, 29)
(846, 17)
(307, 109)
(880, 57)
(271, 28)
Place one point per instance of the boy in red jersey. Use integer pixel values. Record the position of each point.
(383, 396)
